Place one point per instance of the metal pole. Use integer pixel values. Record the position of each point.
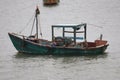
(85, 34)
(75, 36)
(52, 33)
(63, 32)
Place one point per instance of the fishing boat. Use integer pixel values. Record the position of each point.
(50, 2)
(59, 45)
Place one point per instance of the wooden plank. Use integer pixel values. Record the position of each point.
(73, 32)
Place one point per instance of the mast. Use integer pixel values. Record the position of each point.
(36, 16)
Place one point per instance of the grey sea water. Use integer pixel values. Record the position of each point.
(15, 16)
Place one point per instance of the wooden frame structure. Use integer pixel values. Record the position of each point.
(75, 30)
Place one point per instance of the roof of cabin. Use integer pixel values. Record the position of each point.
(69, 25)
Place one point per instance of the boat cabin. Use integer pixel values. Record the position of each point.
(75, 30)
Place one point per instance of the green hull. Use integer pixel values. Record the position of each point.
(26, 46)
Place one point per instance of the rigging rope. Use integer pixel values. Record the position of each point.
(96, 25)
(40, 27)
(99, 31)
(26, 25)
(32, 26)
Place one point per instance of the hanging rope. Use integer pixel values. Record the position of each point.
(40, 27)
(96, 25)
(32, 26)
(37, 12)
(101, 35)
(26, 25)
